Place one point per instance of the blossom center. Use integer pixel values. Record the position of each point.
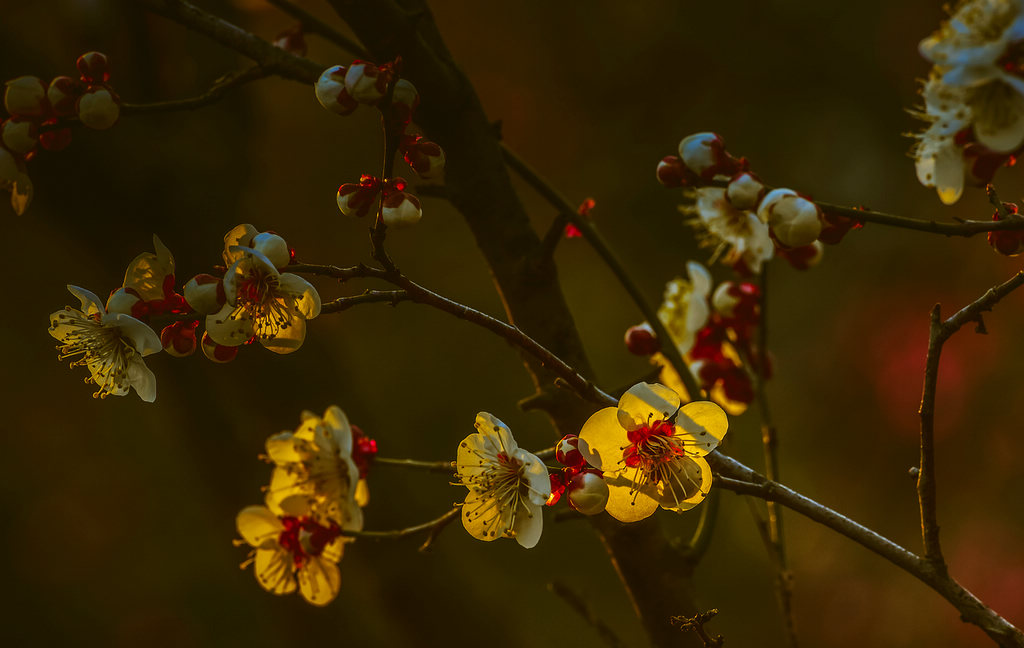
(306, 538)
(650, 445)
(87, 342)
(258, 297)
(505, 490)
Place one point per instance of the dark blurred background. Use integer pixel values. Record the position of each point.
(117, 516)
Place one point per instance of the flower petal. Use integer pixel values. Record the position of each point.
(228, 330)
(480, 515)
(281, 448)
(535, 476)
(337, 423)
(646, 402)
(687, 485)
(307, 299)
(259, 526)
(143, 339)
(529, 524)
(627, 505)
(319, 581)
(142, 379)
(603, 439)
(501, 435)
(274, 570)
(288, 339)
(91, 304)
(705, 423)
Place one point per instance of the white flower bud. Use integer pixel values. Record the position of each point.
(98, 109)
(745, 190)
(772, 197)
(725, 300)
(365, 82)
(404, 100)
(794, 220)
(19, 136)
(705, 155)
(25, 96)
(205, 294)
(273, 247)
(588, 492)
(401, 209)
(331, 92)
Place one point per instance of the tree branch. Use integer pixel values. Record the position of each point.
(212, 95)
(313, 25)
(392, 297)
(433, 526)
(939, 332)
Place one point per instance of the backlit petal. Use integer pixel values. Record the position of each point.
(705, 424)
(603, 439)
(319, 581)
(259, 526)
(646, 402)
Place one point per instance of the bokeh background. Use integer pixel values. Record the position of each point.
(116, 517)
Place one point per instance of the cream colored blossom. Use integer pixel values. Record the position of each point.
(507, 485)
(652, 452)
(314, 470)
(737, 235)
(684, 309)
(110, 345)
(938, 158)
(293, 552)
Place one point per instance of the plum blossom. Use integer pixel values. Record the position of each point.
(314, 469)
(737, 233)
(652, 452)
(293, 551)
(508, 486)
(110, 345)
(684, 309)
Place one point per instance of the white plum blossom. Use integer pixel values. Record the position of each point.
(684, 309)
(794, 220)
(737, 233)
(110, 345)
(508, 486)
(651, 451)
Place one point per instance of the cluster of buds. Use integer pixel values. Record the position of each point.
(583, 487)
(40, 115)
(736, 212)
(341, 89)
(1010, 243)
(399, 208)
(296, 536)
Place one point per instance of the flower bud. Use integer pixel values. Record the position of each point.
(123, 301)
(794, 220)
(641, 340)
(557, 481)
(802, 258)
(745, 190)
(273, 247)
(834, 228)
(401, 209)
(588, 492)
(205, 294)
(705, 155)
(19, 136)
(425, 157)
(567, 452)
(54, 139)
(94, 67)
(292, 40)
(25, 97)
(63, 94)
(356, 200)
(1008, 243)
(179, 338)
(366, 82)
(331, 92)
(734, 300)
(217, 352)
(404, 101)
(672, 173)
(98, 108)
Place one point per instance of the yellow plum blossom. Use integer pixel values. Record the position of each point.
(507, 485)
(651, 451)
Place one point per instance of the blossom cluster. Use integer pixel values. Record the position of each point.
(314, 495)
(973, 97)
(40, 115)
(249, 300)
(713, 329)
(341, 89)
(742, 219)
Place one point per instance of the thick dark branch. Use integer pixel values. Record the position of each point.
(734, 476)
(939, 332)
(212, 95)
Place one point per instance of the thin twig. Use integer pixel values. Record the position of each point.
(939, 332)
(567, 212)
(732, 475)
(212, 95)
(313, 25)
(580, 607)
(430, 466)
(696, 623)
(392, 297)
(408, 531)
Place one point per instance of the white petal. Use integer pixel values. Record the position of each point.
(535, 475)
(307, 299)
(91, 304)
(228, 331)
(700, 278)
(529, 524)
(142, 379)
(289, 339)
(337, 423)
(144, 339)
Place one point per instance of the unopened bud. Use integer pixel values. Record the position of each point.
(588, 492)
(331, 92)
(404, 101)
(218, 352)
(63, 94)
(705, 155)
(98, 108)
(205, 294)
(357, 200)
(672, 173)
(641, 340)
(425, 157)
(94, 67)
(401, 209)
(292, 40)
(794, 220)
(273, 247)
(745, 190)
(805, 257)
(19, 136)
(54, 139)
(366, 82)
(567, 452)
(25, 97)
(179, 338)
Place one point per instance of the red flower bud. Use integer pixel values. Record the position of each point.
(641, 340)
(94, 67)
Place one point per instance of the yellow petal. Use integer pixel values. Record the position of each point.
(626, 505)
(275, 571)
(603, 439)
(319, 581)
(259, 526)
(646, 402)
(705, 424)
(480, 516)
(687, 485)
